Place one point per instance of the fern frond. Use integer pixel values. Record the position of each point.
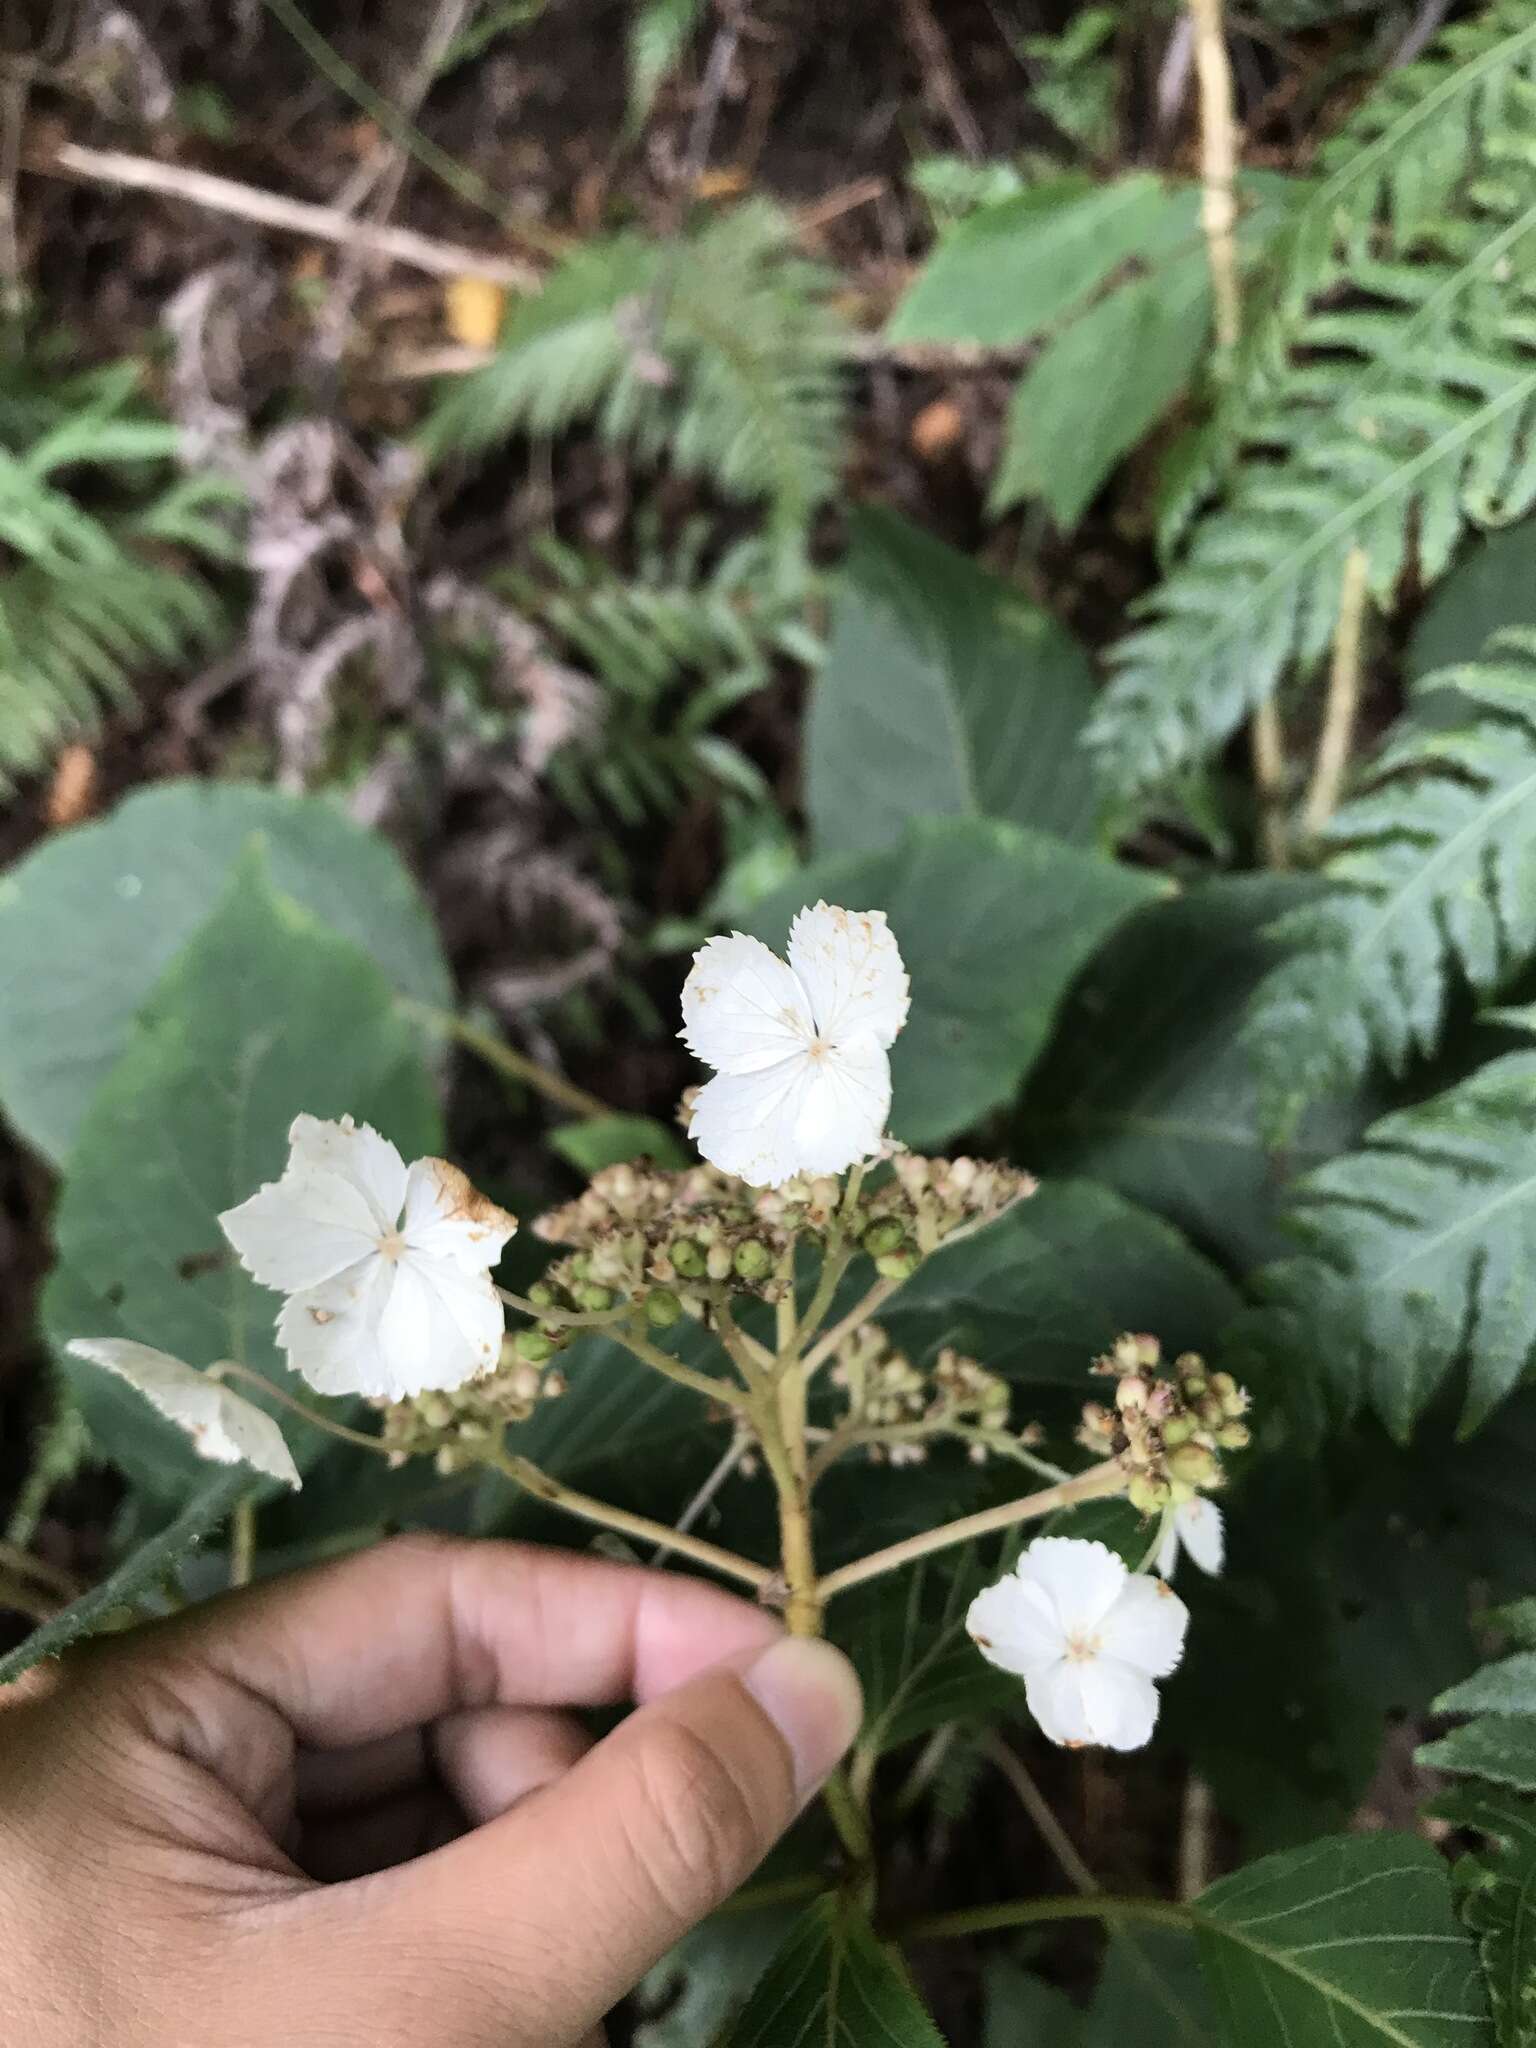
(1398, 162)
(721, 353)
(84, 601)
(1407, 417)
(676, 645)
(1434, 873)
(1420, 1256)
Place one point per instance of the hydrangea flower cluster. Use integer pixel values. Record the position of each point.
(385, 1272)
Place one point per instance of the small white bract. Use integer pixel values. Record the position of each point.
(386, 1268)
(1194, 1526)
(222, 1426)
(1086, 1636)
(802, 1081)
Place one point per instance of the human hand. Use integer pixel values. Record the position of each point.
(346, 1808)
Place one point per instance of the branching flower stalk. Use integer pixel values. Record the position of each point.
(752, 1283)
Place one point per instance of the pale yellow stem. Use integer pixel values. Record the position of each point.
(1094, 1484)
(1343, 701)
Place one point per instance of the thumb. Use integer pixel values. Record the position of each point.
(566, 1901)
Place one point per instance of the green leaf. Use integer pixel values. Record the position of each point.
(993, 923)
(658, 35)
(833, 1983)
(1500, 1747)
(1350, 1942)
(943, 679)
(1020, 2010)
(1496, 1894)
(1421, 1255)
(265, 1014)
(706, 1978)
(1507, 1687)
(1098, 386)
(602, 1141)
(98, 914)
(1007, 272)
(1493, 585)
(1146, 1086)
(906, 1636)
(1044, 1289)
(1151, 1994)
(140, 1573)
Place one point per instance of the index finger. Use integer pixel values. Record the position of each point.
(423, 1625)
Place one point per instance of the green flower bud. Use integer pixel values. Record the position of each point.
(662, 1308)
(688, 1257)
(1147, 1496)
(885, 1234)
(535, 1346)
(1178, 1429)
(1193, 1464)
(594, 1298)
(898, 1265)
(753, 1259)
(542, 1295)
(1234, 1436)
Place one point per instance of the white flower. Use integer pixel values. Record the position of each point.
(802, 1082)
(1086, 1636)
(225, 1428)
(386, 1268)
(1194, 1526)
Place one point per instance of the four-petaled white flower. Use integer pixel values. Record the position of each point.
(802, 1081)
(222, 1426)
(386, 1268)
(1194, 1526)
(1086, 1636)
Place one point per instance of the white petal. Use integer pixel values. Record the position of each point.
(1200, 1531)
(841, 1113)
(1145, 1626)
(358, 1154)
(331, 1332)
(439, 1327)
(745, 1123)
(446, 1217)
(1083, 1580)
(1054, 1695)
(743, 1009)
(851, 967)
(303, 1229)
(1167, 1547)
(223, 1426)
(1014, 1626)
(1119, 1702)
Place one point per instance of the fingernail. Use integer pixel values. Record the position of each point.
(811, 1694)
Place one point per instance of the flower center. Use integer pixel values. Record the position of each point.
(392, 1246)
(818, 1048)
(1082, 1648)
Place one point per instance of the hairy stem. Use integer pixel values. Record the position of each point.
(869, 1305)
(506, 1059)
(523, 1473)
(1041, 1813)
(566, 1318)
(671, 1368)
(1094, 1484)
(227, 1369)
(1343, 701)
(242, 1543)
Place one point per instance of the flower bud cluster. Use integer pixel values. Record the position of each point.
(886, 1391)
(457, 1427)
(1169, 1424)
(927, 1202)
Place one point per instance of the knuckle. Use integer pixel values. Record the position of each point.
(702, 1830)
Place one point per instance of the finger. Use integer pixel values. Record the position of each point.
(422, 1626)
(339, 1780)
(575, 1892)
(491, 1757)
(409, 1824)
